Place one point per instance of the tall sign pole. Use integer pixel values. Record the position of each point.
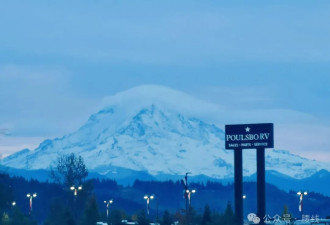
(238, 162)
(249, 136)
(261, 187)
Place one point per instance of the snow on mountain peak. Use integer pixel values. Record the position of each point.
(129, 102)
(146, 95)
(157, 130)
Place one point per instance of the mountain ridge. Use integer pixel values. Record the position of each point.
(156, 136)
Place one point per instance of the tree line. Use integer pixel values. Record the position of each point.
(62, 202)
(70, 200)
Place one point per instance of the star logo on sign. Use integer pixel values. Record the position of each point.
(247, 129)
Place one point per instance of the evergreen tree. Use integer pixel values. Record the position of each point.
(206, 219)
(91, 214)
(180, 216)
(19, 218)
(216, 219)
(286, 215)
(115, 217)
(6, 195)
(59, 214)
(167, 220)
(228, 217)
(191, 216)
(285, 210)
(68, 218)
(142, 218)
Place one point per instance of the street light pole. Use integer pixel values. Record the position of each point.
(243, 197)
(31, 196)
(75, 193)
(186, 189)
(148, 198)
(301, 195)
(108, 204)
(189, 192)
(75, 190)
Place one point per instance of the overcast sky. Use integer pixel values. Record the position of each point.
(258, 59)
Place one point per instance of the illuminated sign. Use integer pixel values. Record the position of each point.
(249, 136)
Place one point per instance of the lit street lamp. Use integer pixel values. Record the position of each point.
(13, 203)
(243, 197)
(75, 190)
(189, 192)
(301, 194)
(75, 193)
(108, 204)
(30, 196)
(148, 198)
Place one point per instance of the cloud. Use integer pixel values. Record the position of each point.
(190, 33)
(309, 139)
(10, 145)
(255, 62)
(38, 100)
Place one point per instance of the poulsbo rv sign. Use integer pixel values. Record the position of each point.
(249, 136)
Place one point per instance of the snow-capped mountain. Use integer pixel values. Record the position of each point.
(154, 129)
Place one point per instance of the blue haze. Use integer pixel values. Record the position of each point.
(59, 59)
